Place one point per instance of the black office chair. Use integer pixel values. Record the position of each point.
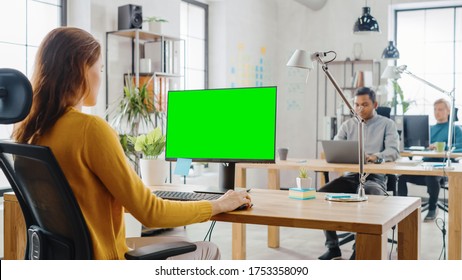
(384, 111)
(56, 228)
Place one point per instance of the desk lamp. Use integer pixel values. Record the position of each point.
(303, 59)
(395, 72)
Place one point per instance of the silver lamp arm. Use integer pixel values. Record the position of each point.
(362, 175)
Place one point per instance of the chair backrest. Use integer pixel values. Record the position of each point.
(15, 96)
(384, 111)
(55, 224)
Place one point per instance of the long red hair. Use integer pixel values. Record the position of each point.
(59, 80)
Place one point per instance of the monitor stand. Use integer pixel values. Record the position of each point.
(226, 176)
(225, 179)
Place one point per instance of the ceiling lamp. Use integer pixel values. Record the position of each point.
(366, 23)
(390, 52)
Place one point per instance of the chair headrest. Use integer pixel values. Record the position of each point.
(15, 96)
(384, 111)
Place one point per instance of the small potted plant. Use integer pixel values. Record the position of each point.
(303, 181)
(155, 24)
(153, 169)
(303, 190)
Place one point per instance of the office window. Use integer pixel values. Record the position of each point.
(24, 23)
(194, 26)
(430, 44)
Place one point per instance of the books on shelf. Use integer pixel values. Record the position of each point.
(362, 79)
(157, 87)
(357, 80)
(161, 87)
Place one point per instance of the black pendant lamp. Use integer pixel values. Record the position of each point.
(366, 23)
(390, 52)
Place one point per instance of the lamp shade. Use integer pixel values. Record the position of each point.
(391, 72)
(390, 52)
(366, 23)
(301, 59)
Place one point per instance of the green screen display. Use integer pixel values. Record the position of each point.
(222, 125)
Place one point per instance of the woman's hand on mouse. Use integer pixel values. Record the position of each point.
(230, 201)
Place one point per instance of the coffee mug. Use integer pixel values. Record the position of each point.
(440, 146)
(283, 153)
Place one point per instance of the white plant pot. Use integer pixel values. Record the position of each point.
(303, 183)
(154, 172)
(155, 27)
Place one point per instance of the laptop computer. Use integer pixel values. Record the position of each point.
(341, 151)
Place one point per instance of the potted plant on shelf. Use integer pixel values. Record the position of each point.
(153, 170)
(303, 181)
(134, 109)
(155, 24)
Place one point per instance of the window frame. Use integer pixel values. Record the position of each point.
(457, 8)
(6, 129)
(206, 42)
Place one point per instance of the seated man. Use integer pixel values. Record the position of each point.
(438, 133)
(380, 144)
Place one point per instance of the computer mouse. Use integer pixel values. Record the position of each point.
(243, 207)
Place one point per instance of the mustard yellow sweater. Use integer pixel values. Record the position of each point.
(92, 159)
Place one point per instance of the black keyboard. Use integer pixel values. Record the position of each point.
(186, 196)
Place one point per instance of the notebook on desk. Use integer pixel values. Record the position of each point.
(341, 151)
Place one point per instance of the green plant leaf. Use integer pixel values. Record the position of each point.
(151, 144)
(134, 108)
(303, 173)
(398, 98)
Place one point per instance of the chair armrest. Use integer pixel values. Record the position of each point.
(160, 251)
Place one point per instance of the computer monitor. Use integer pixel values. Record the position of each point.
(416, 131)
(227, 125)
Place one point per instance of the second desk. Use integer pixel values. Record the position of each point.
(454, 179)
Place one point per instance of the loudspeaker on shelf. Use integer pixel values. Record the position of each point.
(130, 16)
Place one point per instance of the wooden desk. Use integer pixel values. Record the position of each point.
(429, 154)
(454, 194)
(371, 220)
(14, 228)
